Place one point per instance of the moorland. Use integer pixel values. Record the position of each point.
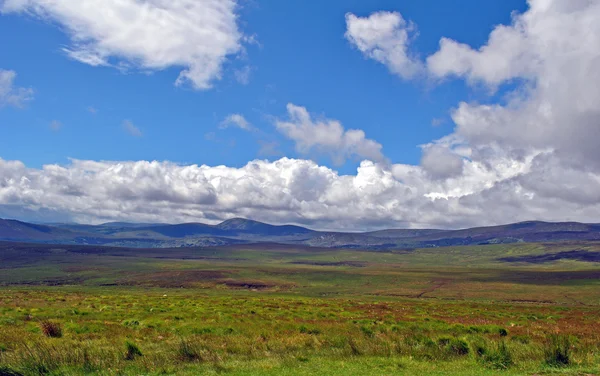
(523, 308)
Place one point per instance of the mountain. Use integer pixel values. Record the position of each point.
(240, 230)
(241, 225)
(530, 231)
(11, 229)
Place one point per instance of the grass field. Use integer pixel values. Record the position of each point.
(516, 309)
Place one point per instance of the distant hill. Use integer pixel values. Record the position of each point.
(240, 230)
(16, 230)
(248, 226)
(530, 231)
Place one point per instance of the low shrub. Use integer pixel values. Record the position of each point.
(304, 329)
(454, 346)
(186, 352)
(131, 323)
(132, 351)
(51, 329)
(557, 351)
(367, 331)
(498, 357)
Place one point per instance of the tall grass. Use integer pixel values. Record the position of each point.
(495, 356)
(192, 335)
(557, 351)
(132, 350)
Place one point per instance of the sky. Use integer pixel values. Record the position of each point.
(338, 115)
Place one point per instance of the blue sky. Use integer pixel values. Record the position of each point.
(342, 115)
(300, 56)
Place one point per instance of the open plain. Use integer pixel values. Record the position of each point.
(267, 309)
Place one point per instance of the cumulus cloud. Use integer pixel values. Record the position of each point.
(303, 192)
(327, 136)
(130, 128)
(196, 35)
(553, 49)
(557, 105)
(11, 95)
(536, 151)
(384, 37)
(441, 162)
(236, 120)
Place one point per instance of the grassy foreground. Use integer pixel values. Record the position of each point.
(287, 311)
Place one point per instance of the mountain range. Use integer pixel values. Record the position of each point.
(245, 231)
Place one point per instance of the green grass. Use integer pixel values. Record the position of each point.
(298, 311)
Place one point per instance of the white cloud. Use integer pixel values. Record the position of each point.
(11, 95)
(534, 154)
(130, 128)
(236, 120)
(196, 35)
(557, 105)
(385, 37)
(441, 162)
(300, 191)
(327, 136)
(551, 52)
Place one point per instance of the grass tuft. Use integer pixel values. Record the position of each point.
(186, 352)
(51, 329)
(132, 351)
(454, 346)
(496, 357)
(557, 351)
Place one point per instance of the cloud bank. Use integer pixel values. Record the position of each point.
(302, 192)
